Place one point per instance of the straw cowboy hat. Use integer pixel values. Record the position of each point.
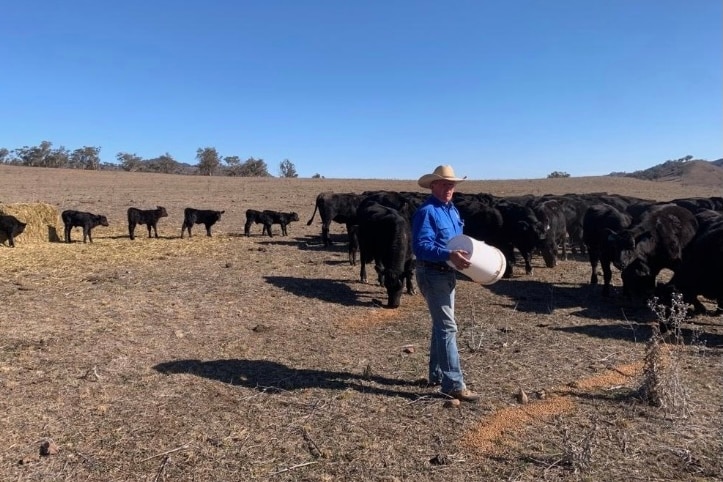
(441, 173)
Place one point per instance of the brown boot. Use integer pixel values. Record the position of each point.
(463, 395)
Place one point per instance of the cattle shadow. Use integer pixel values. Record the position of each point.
(641, 332)
(280, 242)
(274, 377)
(332, 291)
(632, 332)
(138, 238)
(533, 296)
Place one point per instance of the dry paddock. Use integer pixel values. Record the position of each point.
(235, 358)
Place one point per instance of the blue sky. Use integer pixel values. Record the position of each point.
(512, 89)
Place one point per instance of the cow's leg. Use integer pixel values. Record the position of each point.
(594, 259)
(267, 229)
(86, 234)
(352, 230)
(208, 230)
(11, 240)
(527, 256)
(150, 226)
(247, 227)
(325, 234)
(67, 233)
(607, 276)
(283, 229)
(409, 274)
(363, 271)
(131, 228)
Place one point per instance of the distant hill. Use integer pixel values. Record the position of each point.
(686, 171)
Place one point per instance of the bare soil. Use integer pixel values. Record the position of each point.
(243, 358)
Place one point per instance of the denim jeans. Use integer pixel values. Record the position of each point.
(438, 288)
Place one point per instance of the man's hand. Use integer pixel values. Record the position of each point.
(459, 259)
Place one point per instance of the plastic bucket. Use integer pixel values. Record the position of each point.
(487, 262)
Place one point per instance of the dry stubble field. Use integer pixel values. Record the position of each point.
(234, 358)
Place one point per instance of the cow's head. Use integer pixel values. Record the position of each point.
(102, 220)
(162, 211)
(549, 254)
(293, 217)
(622, 247)
(394, 284)
(638, 279)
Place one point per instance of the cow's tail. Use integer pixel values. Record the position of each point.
(316, 206)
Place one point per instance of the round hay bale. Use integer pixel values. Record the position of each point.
(43, 222)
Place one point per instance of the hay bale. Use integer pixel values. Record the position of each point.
(43, 222)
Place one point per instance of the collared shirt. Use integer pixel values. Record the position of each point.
(433, 225)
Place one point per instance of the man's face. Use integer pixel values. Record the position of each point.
(443, 190)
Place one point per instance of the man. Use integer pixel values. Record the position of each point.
(434, 224)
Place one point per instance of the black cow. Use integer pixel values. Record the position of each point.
(340, 208)
(87, 221)
(521, 229)
(385, 239)
(655, 243)
(484, 222)
(700, 272)
(10, 227)
(405, 203)
(207, 217)
(277, 217)
(695, 204)
(599, 223)
(551, 214)
(148, 217)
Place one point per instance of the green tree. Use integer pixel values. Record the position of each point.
(4, 155)
(254, 168)
(165, 164)
(557, 174)
(129, 162)
(86, 157)
(233, 165)
(208, 160)
(287, 169)
(42, 156)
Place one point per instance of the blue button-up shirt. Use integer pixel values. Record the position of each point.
(433, 225)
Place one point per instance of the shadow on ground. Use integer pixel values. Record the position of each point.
(332, 291)
(273, 377)
(541, 297)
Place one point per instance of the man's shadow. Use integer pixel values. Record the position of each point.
(273, 377)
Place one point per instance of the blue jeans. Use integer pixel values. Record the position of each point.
(438, 289)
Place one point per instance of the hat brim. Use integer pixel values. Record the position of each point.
(427, 180)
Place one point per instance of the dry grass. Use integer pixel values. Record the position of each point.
(234, 358)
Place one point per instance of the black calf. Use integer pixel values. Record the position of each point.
(149, 217)
(87, 221)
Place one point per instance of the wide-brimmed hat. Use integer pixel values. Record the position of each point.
(441, 173)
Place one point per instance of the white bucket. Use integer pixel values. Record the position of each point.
(487, 262)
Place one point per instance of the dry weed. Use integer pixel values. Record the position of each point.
(662, 382)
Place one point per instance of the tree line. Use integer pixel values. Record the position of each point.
(210, 162)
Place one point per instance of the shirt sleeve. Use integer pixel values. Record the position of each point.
(425, 242)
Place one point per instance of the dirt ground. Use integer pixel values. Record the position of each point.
(244, 358)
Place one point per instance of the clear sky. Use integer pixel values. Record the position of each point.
(500, 89)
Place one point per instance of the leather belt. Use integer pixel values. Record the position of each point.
(435, 266)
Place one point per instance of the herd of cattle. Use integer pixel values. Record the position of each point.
(640, 237)
(10, 226)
